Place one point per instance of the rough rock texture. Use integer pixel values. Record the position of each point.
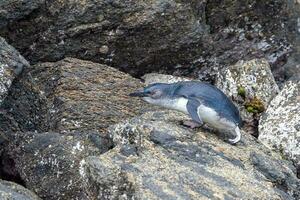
(67, 107)
(71, 95)
(141, 36)
(157, 158)
(11, 65)
(13, 191)
(51, 163)
(279, 127)
(12, 10)
(54, 135)
(243, 30)
(127, 34)
(251, 84)
(162, 78)
(292, 68)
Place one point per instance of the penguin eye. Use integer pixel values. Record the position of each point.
(155, 94)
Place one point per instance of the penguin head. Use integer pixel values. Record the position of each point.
(154, 93)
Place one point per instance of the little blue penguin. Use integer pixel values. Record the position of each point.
(203, 102)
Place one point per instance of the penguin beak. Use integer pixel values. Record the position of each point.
(138, 94)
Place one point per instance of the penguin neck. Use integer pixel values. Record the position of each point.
(178, 104)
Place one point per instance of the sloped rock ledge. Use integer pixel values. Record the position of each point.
(156, 158)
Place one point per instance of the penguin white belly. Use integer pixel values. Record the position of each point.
(212, 118)
(207, 114)
(180, 104)
(175, 104)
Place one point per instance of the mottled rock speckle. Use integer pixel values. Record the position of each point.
(279, 127)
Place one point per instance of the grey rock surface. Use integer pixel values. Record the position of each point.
(71, 94)
(66, 107)
(12, 10)
(279, 127)
(66, 126)
(51, 164)
(13, 191)
(244, 30)
(157, 158)
(292, 68)
(11, 65)
(191, 38)
(126, 34)
(162, 78)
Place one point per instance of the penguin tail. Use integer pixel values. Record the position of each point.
(238, 136)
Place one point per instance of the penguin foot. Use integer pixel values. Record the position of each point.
(191, 124)
(238, 136)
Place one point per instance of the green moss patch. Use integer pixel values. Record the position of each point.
(241, 91)
(255, 105)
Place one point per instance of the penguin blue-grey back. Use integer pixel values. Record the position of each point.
(204, 103)
(211, 96)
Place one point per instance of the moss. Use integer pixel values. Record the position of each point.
(241, 91)
(255, 105)
(250, 109)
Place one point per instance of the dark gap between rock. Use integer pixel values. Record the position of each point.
(8, 171)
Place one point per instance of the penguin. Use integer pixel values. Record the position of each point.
(203, 102)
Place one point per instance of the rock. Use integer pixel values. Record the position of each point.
(72, 95)
(11, 10)
(13, 191)
(243, 31)
(2, 143)
(126, 34)
(162, 78)
(51, 163)
(11, 65)
(292, 67)
(251, 84)
(25, 107)
(279, 127)
(71, 83)
(56, 115)
(190, 38)
(169, 161)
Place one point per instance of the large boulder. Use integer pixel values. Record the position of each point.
(279, 127)
(145, 36)
(126, 34)
(13, 191)
(11, 65)
(56, 115)
(156, 158)
(71, 95)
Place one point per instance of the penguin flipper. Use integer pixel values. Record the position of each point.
(192, 108)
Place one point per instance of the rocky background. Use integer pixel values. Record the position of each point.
(68, 129)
